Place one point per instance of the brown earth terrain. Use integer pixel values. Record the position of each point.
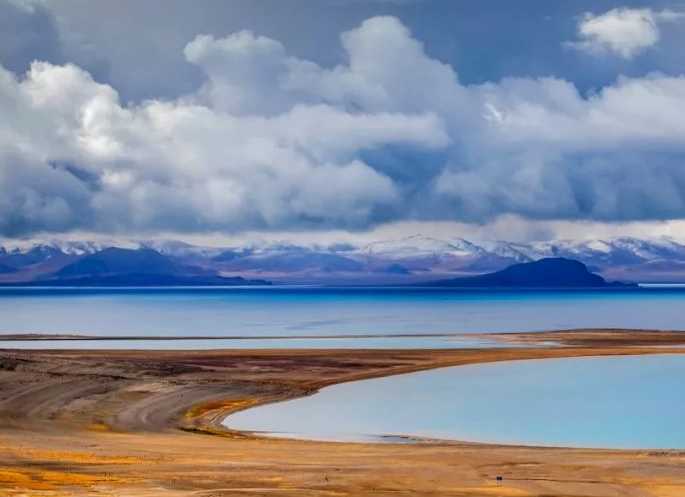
(129, 423)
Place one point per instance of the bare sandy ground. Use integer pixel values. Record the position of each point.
(148, 423)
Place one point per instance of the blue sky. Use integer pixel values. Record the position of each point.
(525, 119)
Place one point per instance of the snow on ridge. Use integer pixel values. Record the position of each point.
(177, 248)
(513, 251)
(597, 252)
(421, 246)
(70, 247)
(599, 246)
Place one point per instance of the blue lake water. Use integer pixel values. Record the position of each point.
(621, 402)
(448, 342)
(260, 312)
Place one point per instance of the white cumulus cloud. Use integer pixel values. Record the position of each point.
(622, 31)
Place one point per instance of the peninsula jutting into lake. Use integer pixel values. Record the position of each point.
(144, 422)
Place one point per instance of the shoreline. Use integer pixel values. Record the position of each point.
(70, 419)
(410, 439)
(368, 437)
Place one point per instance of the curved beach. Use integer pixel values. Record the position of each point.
(149, 422)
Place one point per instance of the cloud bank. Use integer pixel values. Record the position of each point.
(274, 142)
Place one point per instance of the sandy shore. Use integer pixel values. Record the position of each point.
(148, 423)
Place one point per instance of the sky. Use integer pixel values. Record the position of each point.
(342, 119)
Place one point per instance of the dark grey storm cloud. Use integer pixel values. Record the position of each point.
(28, 32)
(138, 46)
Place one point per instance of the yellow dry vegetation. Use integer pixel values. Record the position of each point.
(11, 478)
(224, 405)
(493, 490)
(37, 479)
(667, 490)
(98, 427)
(75, 479)
(35, 454)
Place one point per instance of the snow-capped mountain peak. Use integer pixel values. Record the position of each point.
(176, 248)
(63, 246)
(417, 246)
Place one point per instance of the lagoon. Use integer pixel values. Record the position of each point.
(620, 402)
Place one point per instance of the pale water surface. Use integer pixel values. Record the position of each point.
(302, 312)
(622, 402)
(391, 342)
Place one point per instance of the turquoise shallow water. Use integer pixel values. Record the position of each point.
(621, 402)
(301, 312)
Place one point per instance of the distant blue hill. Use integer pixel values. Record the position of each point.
(545, 273)
(7, 269)
(121, 261)
(146, 280)
(116, 267)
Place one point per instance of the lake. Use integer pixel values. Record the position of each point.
(317, 312)
(621, 402)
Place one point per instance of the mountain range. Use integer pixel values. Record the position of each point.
(405, 260)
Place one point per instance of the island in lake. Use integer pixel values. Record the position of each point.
(552, 272)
